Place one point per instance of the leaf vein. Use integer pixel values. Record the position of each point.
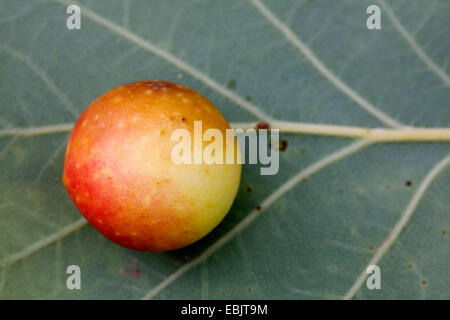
(44, 242)
(43, 76)
(50, 160)
(322, 68)
(401, 223)
(414, 45)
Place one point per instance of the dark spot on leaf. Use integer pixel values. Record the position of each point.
(258, 208)
(371, 247)
(283, 145)
(262, 125)
(248, 188)
(424, 282)
(388, 186)
(409, 183)
(248, 98)
(249, 289)
(231, 84)
(410, 266)
(183, 119)
(223, 293)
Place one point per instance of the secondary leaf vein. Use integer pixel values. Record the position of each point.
(322, 68)
(400, 225)
(414, 45)
(44, 242)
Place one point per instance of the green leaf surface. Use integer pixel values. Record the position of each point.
(336, 205)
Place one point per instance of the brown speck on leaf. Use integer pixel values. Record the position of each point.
(409, 183)
(283, 145)
(183, 119)
(262, 125)
(371, 247)
(388, 186)
(258, 208)
(249, 289)
(410, 266)
(248, 189)
(424, 282)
